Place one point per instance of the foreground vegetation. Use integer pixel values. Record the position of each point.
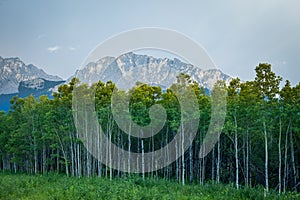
(53, 186)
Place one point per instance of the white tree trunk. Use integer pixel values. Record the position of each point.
(236, 155)
(279, 158)
(177, 165)
(182, 157)
(143, 160)
(293, 157)
(285, 159)
(35, 155)
(129, 148)
(44, 159)
(266, 157)
(191, 161)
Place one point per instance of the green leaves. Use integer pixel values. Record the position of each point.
(266, 81)
(40, 133)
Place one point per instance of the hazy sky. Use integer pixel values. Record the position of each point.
(58, 35)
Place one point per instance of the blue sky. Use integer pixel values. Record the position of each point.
(58, 35)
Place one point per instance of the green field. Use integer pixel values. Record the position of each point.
(20, 186)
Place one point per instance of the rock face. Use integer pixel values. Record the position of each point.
(129, 68)
(37, 87)
(17, 78)
(13, 71)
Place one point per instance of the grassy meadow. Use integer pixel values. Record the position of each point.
(53, 186)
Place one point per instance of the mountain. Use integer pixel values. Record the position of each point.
(129, 68)
(17, 78)
(37, 87)
(13, 71)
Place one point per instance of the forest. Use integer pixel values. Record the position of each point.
(259, 143)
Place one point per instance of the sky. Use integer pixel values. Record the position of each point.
(58, 35)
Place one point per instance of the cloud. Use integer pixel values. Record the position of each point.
(41, 36)
(72, 48)
(53, 49)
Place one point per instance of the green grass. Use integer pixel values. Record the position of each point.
(20, 186)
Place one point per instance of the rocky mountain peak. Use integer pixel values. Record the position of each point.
(134, 67)
(14, 70)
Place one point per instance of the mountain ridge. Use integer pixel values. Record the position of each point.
(17, 78)
(135, 67)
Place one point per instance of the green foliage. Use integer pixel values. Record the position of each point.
(52, 186)
(39, 136)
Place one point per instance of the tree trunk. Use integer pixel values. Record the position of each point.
(191, 160)
(129, 147)
(35, 155)
(72, 156)
(167, 152)
(244, 157)
(177, 165)
(218, 163)
(5, 160)
(266, 157)
(143, 161)
(279, 158)
(293, 157)
(182, 157)
(213, 164)
(64, 155)
(44, 156)
(247, 159)
(79, 171)
(285, 159)
(110, 158)
(236, 155)
(57, 160)
(203, 171)
(250, 160)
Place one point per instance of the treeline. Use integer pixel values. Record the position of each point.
(259, 143)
